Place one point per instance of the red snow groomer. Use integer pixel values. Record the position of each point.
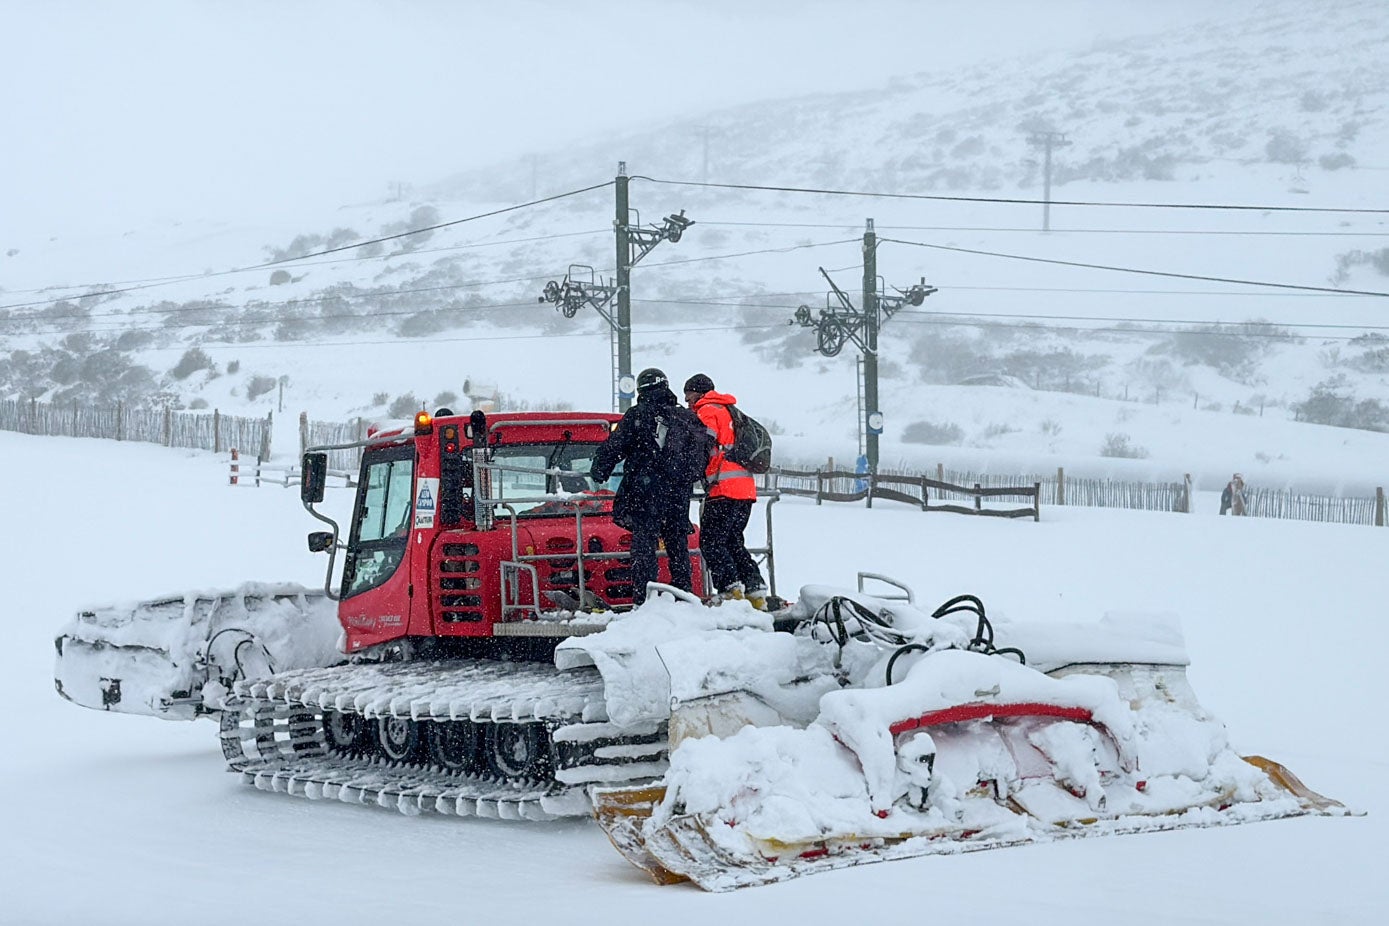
(477, 656)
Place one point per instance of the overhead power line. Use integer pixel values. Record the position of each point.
(470, 246)
(825, 191)
(47, 318)
(1066, 231)
(1155, 273)
(291, 260)
(434, 228)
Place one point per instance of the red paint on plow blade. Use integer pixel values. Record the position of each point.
(965, 712)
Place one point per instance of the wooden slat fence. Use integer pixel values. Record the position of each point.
(1061, 489)
(199, 431)
(1271, 503)
(914, 489)
(329, 433)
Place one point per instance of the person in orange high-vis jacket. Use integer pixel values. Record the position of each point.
(731, 493)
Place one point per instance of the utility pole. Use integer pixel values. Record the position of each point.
(633, 243)
(872, 416)
(626, 385)
(1047, 141)
(840, 322)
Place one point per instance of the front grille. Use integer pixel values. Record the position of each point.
(460, 571)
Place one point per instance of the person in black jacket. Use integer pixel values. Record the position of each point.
(653, 499)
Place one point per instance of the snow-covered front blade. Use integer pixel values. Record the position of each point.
(967, 752)
(622, 813)
(176, 657)
(719, 857)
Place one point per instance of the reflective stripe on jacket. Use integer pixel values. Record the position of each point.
(726, 479)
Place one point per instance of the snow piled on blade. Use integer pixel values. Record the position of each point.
(805, 748)
(863, 719)
(175, 657)
(637, 677)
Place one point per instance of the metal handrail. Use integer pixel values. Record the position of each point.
(546, 423)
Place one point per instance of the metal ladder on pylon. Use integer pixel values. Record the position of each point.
(616, 367)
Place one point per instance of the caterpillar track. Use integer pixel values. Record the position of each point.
(518, 741)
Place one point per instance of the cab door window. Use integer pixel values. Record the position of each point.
(381, 527)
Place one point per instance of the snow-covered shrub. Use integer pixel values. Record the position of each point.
(1284, 147)
(1375, 360)
(947, 357)
(1332, 402)
(446, 399)
(1058, 369)
(293, 329)
(998, 430)
(1351, 259)
(134, 340)
(1336, 161)
(1232, 350)
(929, 432)
(1050, 427)
(1121, 445)
(380, 398)
(259, 386)
(233, 367)
(424, 324)
(404, 406)
(193, 360)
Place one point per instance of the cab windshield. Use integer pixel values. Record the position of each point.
(519, 480)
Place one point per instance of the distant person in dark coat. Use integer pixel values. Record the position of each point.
(653, 499)
(1232, 499)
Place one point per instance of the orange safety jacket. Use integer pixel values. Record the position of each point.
(726, 479)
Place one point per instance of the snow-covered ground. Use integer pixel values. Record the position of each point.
(121, 819)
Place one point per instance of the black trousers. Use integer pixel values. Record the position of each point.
(673, 527)
(721, 540)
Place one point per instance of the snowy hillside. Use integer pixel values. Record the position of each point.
(123, 819)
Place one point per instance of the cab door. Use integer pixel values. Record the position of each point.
(376, 574)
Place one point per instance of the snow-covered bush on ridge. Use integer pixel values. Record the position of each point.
(193, 360)
(259, 386)
(1332, 402)
(1121, 445)
(404, 406)
(929, 432)
(1379, 260)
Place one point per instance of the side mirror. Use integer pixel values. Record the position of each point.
(315, 476)
(320, 541)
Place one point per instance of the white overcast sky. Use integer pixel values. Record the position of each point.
(118, 114)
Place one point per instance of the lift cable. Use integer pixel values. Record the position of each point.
(1157, 273)
(1009, 200)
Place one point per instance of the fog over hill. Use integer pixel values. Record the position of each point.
(1279, 105)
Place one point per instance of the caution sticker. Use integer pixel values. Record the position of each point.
(426, 502)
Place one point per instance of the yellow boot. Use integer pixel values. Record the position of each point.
(757, 597)
(732, 593)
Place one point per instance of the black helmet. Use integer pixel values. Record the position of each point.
(650, 378)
